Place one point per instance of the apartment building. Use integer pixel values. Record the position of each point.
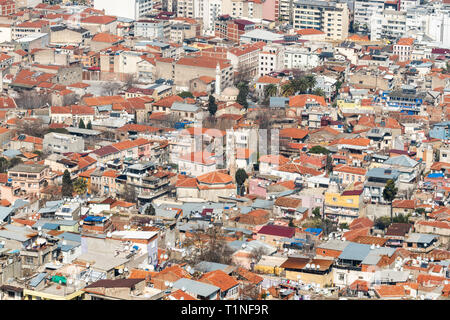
(405, 5)
(364, 9)
(297, 57)
(330, 17)
(30, 28)
(403, 48)
(29, 177)
(153, 29)
(131, 9)
(231, 29)
(211, 10)
(432, 19)
(389, 24)
(62, 143)
(7, 7)
(270, 59)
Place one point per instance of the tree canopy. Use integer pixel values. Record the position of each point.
(212, 105)
(240, 176)
(67, 185)
(186, 94)
(319, 150)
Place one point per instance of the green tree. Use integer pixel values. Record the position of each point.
(400, 218)
(343, 226)
(150, 210)
(422, 212)
(270, 90)
(80, 186)
(310, 81)
(186, 94)
(89, 125)
(298, 85)
(81, 125)
(14, 162)
(319, 150)
(67, 185)
(316, 213)
(3, 165)
(389, 193)
(318, 92)
(240, 177)
(212, 105)
(382, 222)
(58, 130)
(242, 97)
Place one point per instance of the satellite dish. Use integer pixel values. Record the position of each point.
(182, 298)
(166, 283)
(64, 242)
(343, 239)
(166, 256)
(108, 235)
(39, 228)
(313, 266)
(125, 269)
(120, 271)
(88, 265)
(183, 289)
(308, 266)
(378, 246)
(372, 246)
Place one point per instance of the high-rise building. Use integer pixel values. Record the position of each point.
(330, 17)
(364, 9)
(131, 9)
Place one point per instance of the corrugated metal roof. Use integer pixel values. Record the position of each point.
(37, 279)
(355, 251)
(196, 287)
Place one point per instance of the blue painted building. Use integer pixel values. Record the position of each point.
(441, 131)
(406, 100)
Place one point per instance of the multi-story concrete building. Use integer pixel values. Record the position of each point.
(62, 143)
(403, 48)
(364, 9)
(131, 9)
(270, 59)
(29, 177)
(211, 10)
(433, 20)
(297, 57)
(231, 29)
(389, 24)
(153, 29)
(330, 17)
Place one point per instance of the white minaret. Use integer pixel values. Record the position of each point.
(218, 77)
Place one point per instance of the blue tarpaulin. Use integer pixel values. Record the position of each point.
(436, 175)
(94, 219)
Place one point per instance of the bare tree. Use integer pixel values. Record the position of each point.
(32, 100)
(130, 81)
(70, 99)
(209, 246)
(257, 253)
(33, 127)
(111, 88)
(170, 120)
(129, 193)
